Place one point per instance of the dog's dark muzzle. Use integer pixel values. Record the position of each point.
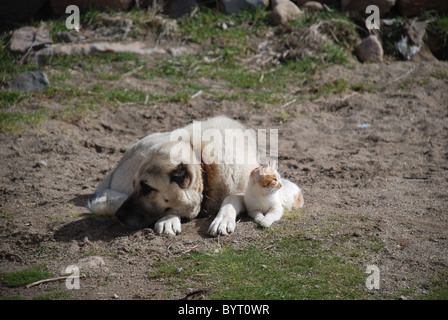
(134, 213)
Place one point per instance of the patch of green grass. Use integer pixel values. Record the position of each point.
(6, 215)
(206, 24)
(8, 99)
(335, 54)
(26, 276)
(19, 121)
(337, 25)
(438, 27)
(125, 95)
(10, 66)
(365, 87)
(438, 289)
(375, 244)
(413, 82)
(440, 74)
(297, 268)
(333, 87)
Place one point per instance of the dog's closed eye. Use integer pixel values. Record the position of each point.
(146, 188)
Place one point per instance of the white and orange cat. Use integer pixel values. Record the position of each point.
(267, 195)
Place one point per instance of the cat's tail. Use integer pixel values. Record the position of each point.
(291, 195)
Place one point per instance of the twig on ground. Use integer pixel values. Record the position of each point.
(36, 283)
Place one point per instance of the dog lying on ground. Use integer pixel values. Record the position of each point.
(166, 177)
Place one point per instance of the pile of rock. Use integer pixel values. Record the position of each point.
(29, 39)
(24, 9)
(411, 45)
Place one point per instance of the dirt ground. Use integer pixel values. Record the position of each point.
(379, 154)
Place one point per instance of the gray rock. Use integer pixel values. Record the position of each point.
(24, 38)
(29, 81)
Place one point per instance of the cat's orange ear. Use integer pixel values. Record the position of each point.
(264, 170)
(253, 172)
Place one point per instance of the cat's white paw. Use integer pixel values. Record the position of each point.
(169, 224)
(222, 225)
(263, 220)
(258, 217)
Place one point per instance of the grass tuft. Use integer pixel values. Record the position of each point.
(26, 276)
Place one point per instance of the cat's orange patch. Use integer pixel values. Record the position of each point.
(268, 180)
(266, 177)
(298, 201)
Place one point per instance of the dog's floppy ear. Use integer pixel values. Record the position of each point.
(181, 176)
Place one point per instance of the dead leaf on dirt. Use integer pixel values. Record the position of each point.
(401, 245)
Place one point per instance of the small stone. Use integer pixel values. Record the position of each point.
(313, 6)
(283, 11)
(223, 25)
(92, 262)
(370, 50)
(64, 36)
(42, 163)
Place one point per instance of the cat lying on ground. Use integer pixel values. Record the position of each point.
(267, 195)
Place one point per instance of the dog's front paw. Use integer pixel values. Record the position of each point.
(222, 225)
(169, 224)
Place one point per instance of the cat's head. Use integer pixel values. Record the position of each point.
(267, 177)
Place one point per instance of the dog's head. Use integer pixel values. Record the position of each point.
(163, 186)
